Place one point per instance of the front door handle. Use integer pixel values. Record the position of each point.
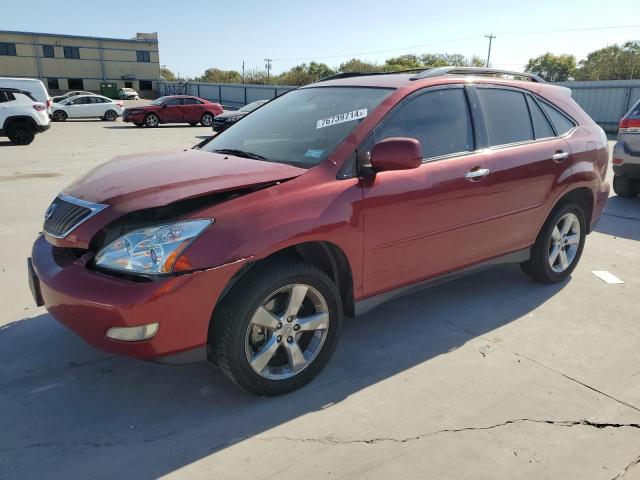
(476, 174)
(560, 156)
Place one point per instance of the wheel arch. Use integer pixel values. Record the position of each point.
(19, 118)
(583, 196)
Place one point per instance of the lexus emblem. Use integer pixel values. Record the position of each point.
(49, 212)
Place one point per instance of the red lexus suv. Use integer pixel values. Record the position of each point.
(325, 202)
(173, 109)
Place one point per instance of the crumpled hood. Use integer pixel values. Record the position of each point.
(134, 182)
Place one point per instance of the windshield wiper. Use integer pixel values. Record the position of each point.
(240, 153)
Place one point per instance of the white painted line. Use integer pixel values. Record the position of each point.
(606, 276)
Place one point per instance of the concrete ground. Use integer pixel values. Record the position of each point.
(492, 376)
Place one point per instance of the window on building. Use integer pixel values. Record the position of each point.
(52, 84)
(128, 84)
(143, 56)
(561, 122)
(506, 115)
(8, 49)
(47, 51)
(75, 84)
(71, 52)
(146, 85)
(438, 119)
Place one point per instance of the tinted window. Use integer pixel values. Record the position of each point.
(47, 51)
(541, 126)
(143, 56)
(561, 122)
(71, 52)
(8, 49)
(145, 85)
(506, 116)
(6, 97)
(75, 83)
(80, 101)
(98, 100)
(189, 101)
(52, 83)
(439, 120)
(174, 101)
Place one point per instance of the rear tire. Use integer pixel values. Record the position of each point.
(556, 253)
(237, 339)
(625, 187)
(110, 115)
(21, 133)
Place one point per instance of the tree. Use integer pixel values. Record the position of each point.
(403, 62)
(553, 68)
(304, 74)
(167, 74)
(355, 65)
(614, 62)
(215, 75)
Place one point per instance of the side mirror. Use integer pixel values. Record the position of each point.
(396, 153)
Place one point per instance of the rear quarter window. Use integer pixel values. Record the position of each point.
(506, 116)
(541, 126)
(562, 123)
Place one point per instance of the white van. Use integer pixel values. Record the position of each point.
(32, 85)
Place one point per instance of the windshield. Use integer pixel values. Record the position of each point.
(300, 128)
(252, 106)
(159, 101)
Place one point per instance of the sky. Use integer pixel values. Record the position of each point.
(198, 34)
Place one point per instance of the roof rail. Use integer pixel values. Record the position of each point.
(440, 71)
(359, 74)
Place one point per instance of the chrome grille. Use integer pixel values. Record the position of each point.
(66, 212)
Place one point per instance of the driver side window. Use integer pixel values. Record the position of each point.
(438, 119)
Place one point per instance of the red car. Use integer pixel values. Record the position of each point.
(324, 202)
(174, 109)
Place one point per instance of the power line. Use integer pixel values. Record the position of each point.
(453, 40)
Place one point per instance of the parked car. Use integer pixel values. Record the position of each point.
(626, 155)
(128, 94)
(21, 116)
(174, 109)
(325, 202)
(75, 93)
(86, 106)
(31, 85)
(226, 119)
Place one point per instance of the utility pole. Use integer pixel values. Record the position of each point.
(242, 71)
(267, 65)
(490, 37)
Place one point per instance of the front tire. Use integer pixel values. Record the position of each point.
(277, 328)
(151, 120)
(21, 133)
(626, 187)
(559, 245)
(206, 120)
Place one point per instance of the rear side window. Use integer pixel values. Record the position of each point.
(438, 119)
(189, 101)
(506, 115)
(541, 126)
(6, 97)
(559, 120)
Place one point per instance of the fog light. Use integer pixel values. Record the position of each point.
(133, 334)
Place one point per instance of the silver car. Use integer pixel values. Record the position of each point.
(626, 155)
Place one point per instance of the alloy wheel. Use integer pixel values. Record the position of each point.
(564, 242)
(152, 120)
(207, 120)
(287, 331)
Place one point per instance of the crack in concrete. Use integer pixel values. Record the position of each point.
(627, 468)
(373, 441)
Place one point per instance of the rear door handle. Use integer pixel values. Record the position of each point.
(560, 156)
(476, 174)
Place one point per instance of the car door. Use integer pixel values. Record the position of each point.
(191, 110)
(527, 160)
(98, 106)
(427, 221)
(79, 107)
(172, 111)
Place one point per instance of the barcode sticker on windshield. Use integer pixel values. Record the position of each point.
(341, 118)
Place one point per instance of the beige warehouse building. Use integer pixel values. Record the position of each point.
(72, 62)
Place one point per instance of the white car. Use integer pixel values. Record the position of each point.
(31, 85)
(21, 116)
(87, 106)
(128, 94)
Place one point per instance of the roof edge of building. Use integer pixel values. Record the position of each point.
(138, 38)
